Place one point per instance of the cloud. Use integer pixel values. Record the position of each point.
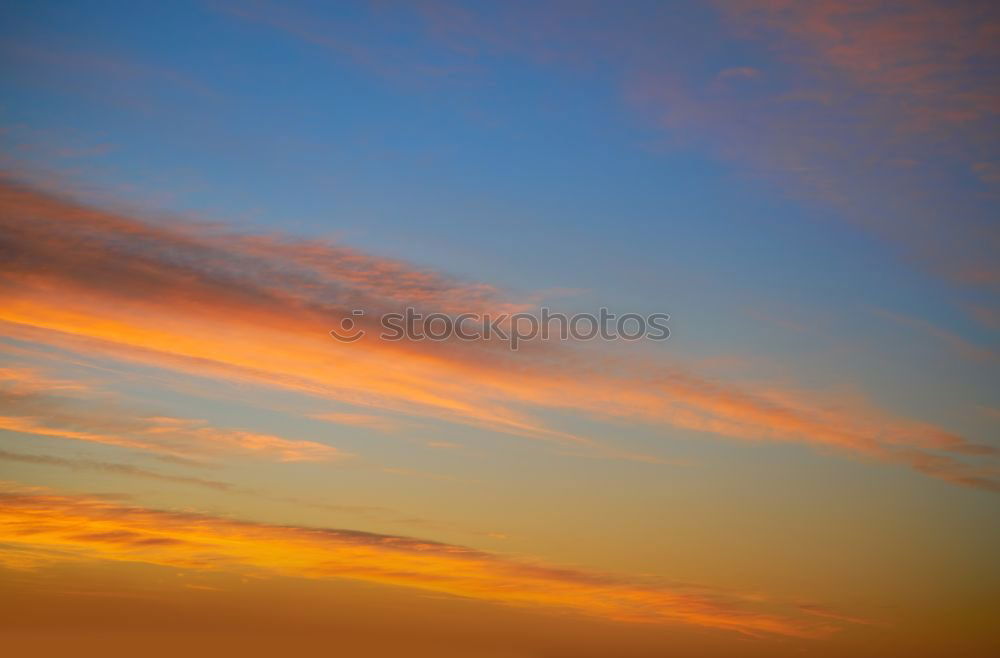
(926, 51)
(865, 86)
(988, 172)
(883, 110)
(368, 512)
(116, 79)
(953, 341)
(114, 468)
(369, 421)
(31, 403)
(200, 300)
(986, 316)
(989, 412)
(27, 381)
(738, 72)
(41, 526)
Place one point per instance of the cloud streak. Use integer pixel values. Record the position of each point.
(43, 526)
(113, 468)
(258, 308)
(884, 110)
(31, 403)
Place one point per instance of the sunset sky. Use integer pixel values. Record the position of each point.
(195, 193)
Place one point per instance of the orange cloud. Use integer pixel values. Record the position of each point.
(24, 381)
(183, 439)
(37, 526)
(368, 512)
(31, 403)
(198, 300)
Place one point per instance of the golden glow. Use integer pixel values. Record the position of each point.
(59, 527)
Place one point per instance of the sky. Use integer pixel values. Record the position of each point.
(194, 194)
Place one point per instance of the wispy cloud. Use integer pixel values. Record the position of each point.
(885, 110)
(204, 301)
(986, 316)
(875, 103)
(369, 513)
(115, 78)
(370, 421)
(31, 403)
(351, 40)
(47, 526)
(957, 344)
(113, 468)
(931, 54)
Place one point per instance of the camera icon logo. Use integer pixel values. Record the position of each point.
(348, 332)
